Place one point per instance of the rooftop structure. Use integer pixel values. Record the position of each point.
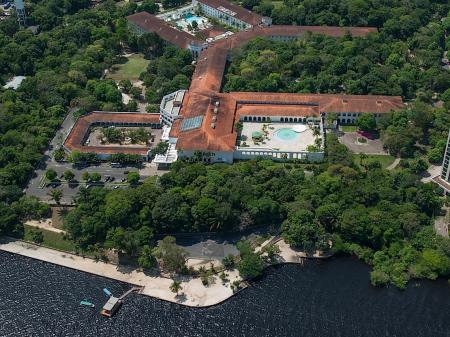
(77, 137)
(144, 22)
(204, 119)
(14, 83)
(231, 14)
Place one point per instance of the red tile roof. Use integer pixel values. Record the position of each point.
(82, 125)
(216, 133)
(151, 23)
(240, 12)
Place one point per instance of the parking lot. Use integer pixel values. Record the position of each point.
(39, 187)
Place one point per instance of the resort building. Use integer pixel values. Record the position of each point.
(80, 139)
(443, 180)
(170, 107)
(212, 126)
(143, 22)
(230, 14)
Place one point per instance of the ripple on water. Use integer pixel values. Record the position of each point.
(331, 298)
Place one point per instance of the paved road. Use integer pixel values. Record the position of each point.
(373, 146)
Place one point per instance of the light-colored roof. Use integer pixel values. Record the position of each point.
(240, 13)
(112, 301)
(14, 83)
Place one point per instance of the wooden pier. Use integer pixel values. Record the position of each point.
(137, 289)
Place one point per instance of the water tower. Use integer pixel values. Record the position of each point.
(20, 10)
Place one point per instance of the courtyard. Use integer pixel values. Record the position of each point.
(289, 137)
(95, 138)
(186, 23)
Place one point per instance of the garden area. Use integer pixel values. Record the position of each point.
(130, 70)
(363, 159)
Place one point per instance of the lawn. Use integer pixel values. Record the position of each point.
(385, 160)
(349, 128)
(51, 239)
(129, 70)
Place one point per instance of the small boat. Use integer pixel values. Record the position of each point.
(87, 304)
(107, 292)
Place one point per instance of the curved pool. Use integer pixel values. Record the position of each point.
(286, 134)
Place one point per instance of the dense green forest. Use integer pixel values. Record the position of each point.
(64, 65)
(383, 217)
(385, 64)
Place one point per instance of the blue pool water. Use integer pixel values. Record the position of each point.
(286, 134)
(190, 17)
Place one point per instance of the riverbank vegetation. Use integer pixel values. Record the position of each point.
(383, 217)
(64, 66)
(400, 60)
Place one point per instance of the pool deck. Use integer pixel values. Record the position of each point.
(300, 143)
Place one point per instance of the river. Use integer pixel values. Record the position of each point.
(332, 298)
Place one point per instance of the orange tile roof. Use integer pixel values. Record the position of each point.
(241, 13)
(330, 102)
(78, 132)
(151, 23)
(207, 80)
(277, 110)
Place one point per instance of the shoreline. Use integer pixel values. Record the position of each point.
(193, 293)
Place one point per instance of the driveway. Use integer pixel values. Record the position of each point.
(350, 139)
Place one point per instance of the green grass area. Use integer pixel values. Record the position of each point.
(349, 128)
(130, 70)
(385, 160)
(277, 4)
(51, 239)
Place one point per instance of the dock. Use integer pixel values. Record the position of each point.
(136, 289)
(114, 303)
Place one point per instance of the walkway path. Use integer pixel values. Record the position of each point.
(44, 224)
(441, 223)
(394, 164)
(193, 293)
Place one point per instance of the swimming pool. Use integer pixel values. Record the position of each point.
(191, 17)
(286, 134)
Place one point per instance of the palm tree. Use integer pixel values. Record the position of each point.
(83, 193)
(56, 195)
(362, 157)
(175, 287)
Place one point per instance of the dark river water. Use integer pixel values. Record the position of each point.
(332, 298)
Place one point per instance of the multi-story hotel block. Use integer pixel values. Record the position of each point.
(445, 173)
(230, 14)
(220, 127)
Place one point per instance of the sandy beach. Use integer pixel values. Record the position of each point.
(193, 293)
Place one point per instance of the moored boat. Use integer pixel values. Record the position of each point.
(87, 304)
(107, 292)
